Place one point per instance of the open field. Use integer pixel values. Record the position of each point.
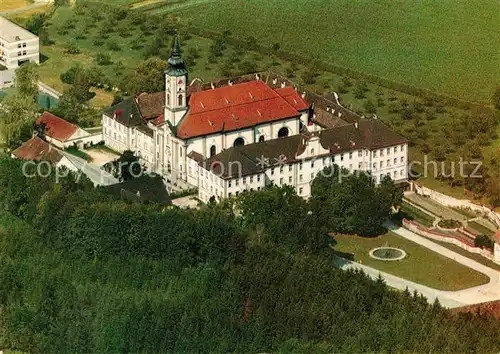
(12, 4)
(420, 265)
(430, 44)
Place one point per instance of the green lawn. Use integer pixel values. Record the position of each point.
(410, 212)
(474, 256)
(426, 43)
(480, 228)
(421, 265)
(79, 153)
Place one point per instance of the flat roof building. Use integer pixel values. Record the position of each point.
(17, 45)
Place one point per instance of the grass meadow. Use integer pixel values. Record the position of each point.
(447, 46)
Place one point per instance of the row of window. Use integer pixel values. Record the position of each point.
(301, 189)
(388, 162)
(388, 151)
(394, 175)
(19, 45)
(19, 53)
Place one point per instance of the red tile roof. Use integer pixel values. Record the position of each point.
(234, 107)
(158, 121)
(293, 98)
(56, 127)
(38, 150)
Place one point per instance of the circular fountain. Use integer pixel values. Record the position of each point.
(387, 254)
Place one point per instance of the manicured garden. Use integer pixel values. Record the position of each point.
(421, 265)
(409, 212)
(480, 228)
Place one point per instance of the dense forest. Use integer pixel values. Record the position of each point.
(84, 272)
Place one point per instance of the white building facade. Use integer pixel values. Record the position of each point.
(17, 45)
(183, 132)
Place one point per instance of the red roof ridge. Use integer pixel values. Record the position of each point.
(56, 127)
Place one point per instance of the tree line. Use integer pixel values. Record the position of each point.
(82, 271)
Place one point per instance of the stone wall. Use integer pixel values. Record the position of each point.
(457, 203)
(449, 238)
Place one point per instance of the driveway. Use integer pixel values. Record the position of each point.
(101, 157)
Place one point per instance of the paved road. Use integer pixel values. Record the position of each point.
(450, 299)
(37, 3)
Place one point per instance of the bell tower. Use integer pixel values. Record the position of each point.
(175, 85)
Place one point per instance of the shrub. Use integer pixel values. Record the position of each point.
(72, 49)
(68, 77)
(113, 46)
(103, 59)
(483, 241)
(98, 42)
(449, 224)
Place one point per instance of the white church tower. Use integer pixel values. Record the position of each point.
(175, 85)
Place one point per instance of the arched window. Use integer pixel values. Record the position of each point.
(283, 132)
(168, 99)
(239, 142)
(179, 99)
(261, 138)
(213, 150)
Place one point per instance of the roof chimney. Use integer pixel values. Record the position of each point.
(230, 83)
(303, 94)
(283, 84)
(251, 96)
(227, 101)
(202, 105)
(212, 85)
(257, 77)
(275, 81)
(356, 125)
(327, 109)
(138, 193)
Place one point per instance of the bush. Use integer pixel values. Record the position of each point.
(370, 107)
(113, 46)
(449, 224)
(98, 42)
(68, 77)
(103, 59)
(72, 49)
(483, 241)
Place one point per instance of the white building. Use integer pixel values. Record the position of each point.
(17, 45)
(192, 133)
(63, 134)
